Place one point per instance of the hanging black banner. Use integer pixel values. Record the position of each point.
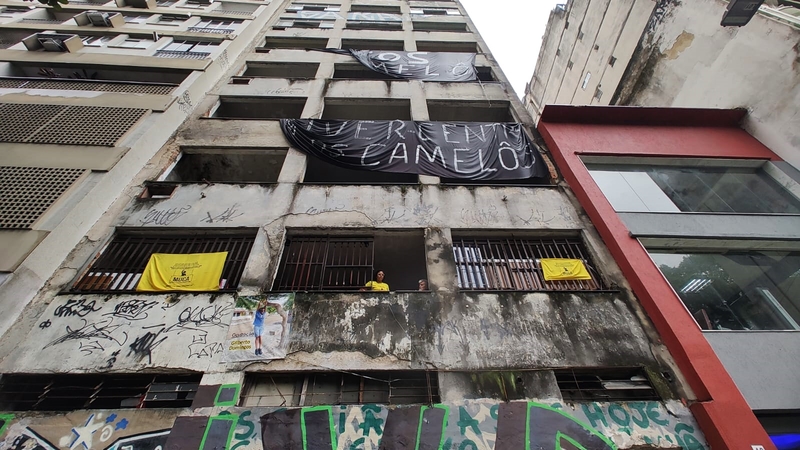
(466, 150)
(426, 66)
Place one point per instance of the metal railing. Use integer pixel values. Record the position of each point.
(179, 54)
(325, 263)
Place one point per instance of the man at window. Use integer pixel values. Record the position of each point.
(377, 284)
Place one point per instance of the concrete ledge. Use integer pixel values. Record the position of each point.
(63, 156)
(157, 103)
(100, 60)
(712, 226)
(16, 245)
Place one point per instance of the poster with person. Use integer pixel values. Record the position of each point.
(259, 328)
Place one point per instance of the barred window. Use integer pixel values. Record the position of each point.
(605, 385)
(347, 263)
(311, 389)
(70, 392)
(119, 267)
(514, 264)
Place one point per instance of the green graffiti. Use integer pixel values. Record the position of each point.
(468, 444)
(561, 438)
(466, 421)
(358, 442)
(6, 421)
(569, 420)
(224, 415)
(493, 411)
(653, 414)
(619, 415)
(687, 441)
(303, 429)
(639, 407)
(243, 422)
(594, 416)
(370, 421)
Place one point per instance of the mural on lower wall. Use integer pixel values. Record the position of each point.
(124, 429)
(471, 425)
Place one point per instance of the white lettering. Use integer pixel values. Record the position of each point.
(513, 153)
(480, 159)
(328, 128)
(335, 150)
(360, 127)
(389, 57)
(310, 125)
(415, 60)
(364, 156)
(431, 158)
(461, 69)
(448, 133)
(481, 137)
(397, 131)
(428, 72)
(456, 160)
(394, 153)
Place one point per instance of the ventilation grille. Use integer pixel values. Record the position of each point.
(230, 12)
(75, 85)
(184, 55)
(27, 192)
(69, 125)
(210, 30)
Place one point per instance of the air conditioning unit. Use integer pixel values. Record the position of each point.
(98, 19)
(53, 45)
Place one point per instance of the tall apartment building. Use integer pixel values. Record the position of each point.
(321, 158)
(88, 94)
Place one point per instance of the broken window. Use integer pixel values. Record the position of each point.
(605, 385)
(510, 263)
(120, 265)
(234, 165)
(470, 111)
(367, 109)
(260, 108)
(311, 389)
(347, 263)
(63, 392)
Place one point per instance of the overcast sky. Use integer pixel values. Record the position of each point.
(513, 29)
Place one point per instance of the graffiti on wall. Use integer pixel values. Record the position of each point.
(129, 330)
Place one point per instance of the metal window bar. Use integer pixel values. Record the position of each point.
(605, 385)
(514, 264)
(325, 263)
(71, 392)
(337, 388)
(120, 266)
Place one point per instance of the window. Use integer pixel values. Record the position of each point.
(387, 388)
(234, 165)
(135, 43)
(260, 108)
(138, 19)
(440, 26)
(313, 7)
(470, 111)
(64, 392)
(186, 49)
(120, 265)
(586, 80)
(367, 109)
(376, 9)
(428, 11)
(357, 72)
(347, 262)
(569, 65)
(611, 61)
(508, 263)
(294, 42)
(174, 20)
(374, 20)
(732, 290)
(693, 189)
(96, 41)
(303, 23)
(215, 26)
(370, 44)
(605, 385)
(448, 47)
(281, 70)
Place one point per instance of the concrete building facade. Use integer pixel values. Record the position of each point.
(486, 354)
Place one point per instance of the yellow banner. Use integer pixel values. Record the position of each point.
(564, 269)
(190, 272)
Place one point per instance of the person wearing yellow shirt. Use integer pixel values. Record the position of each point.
(377, 284)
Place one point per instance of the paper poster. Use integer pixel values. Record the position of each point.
(259, 328)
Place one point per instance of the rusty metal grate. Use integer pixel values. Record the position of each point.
(120, 265)
(325, 263)
(27, 192)
(605, 384)
(514, 264)
(57, 124)
(65, 392)
(80, 85)
(340, 388)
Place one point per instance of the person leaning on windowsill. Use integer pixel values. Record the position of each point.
(377, 284)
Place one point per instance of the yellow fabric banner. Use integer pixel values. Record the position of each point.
(189, 272)
(555, 269)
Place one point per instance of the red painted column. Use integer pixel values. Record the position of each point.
(721, 411)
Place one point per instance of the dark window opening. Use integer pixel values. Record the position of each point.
(440, 26)
(278, 42)
(514, 264)
(376, 9)
(374, 44)
(64, 392)
(281, 70)
(312, 389)
(347, 263)
(611, 61)
(605, 385)
(367, 109)
(470, 111)
(157, 191)
(448, 47)
(319, 171)
(88, 73)
(120, 265)
(373, 25)
(259, 108)
(235, 165)
(485, 74)
(358, 72)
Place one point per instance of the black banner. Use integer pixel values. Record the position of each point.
(466, 150)
(426, 66)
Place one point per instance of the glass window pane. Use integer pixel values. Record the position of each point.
(736, 290)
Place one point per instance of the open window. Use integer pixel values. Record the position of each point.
(66, 392)
(299, 43)
(470, 111)
(235, 165)
(367, 109)
(347, 262)
(619, 384)
(372, 44)
(336, 388)
(120, 265)
(510, 263)
(259, 108)
(296, 70)
(448, 47)
(358, 72)
(440, 26)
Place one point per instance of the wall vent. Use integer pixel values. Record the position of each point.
(27, 192)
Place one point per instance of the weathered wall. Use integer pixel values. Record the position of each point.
(476, 425)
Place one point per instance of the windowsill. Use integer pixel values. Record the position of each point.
(220, 291)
